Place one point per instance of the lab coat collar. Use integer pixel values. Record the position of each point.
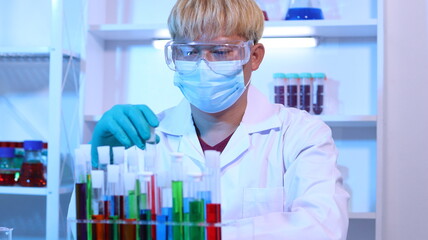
(260, 115)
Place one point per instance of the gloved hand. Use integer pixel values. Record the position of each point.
(123, 125)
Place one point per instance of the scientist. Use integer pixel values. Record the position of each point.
(278, 164)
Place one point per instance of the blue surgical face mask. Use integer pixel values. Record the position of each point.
(211, 91)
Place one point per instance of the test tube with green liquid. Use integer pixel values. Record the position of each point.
(177, 194)
(196, 207)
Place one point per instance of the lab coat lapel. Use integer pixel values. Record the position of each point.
(237, 146)
(178, 122)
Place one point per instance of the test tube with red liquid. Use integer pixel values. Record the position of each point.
(279, 87)
(318, 93)
(292, 84)
(81, 194)
(305, 91)
(32, 169)
(213, 209)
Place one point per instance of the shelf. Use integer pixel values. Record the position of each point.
(32, 52)
(33, 191)
(318, 28)
(362, 215)
(350, 121)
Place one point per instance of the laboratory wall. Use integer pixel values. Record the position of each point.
(405, 195)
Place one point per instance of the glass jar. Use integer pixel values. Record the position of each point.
(32, 170)
(7, 170)
(304, 10)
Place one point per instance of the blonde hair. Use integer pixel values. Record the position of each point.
(207, 19)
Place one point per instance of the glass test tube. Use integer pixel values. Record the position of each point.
(292, 83)
(177, 193)
(318, 93)
(279, 87)
(129, 231)
(213, 209)
(150, 166)
(145, 231)
(196, 207)
(164, 214)
(112, 230)
(81, 193)
(86, 150)
(305, 91)
(98, 229)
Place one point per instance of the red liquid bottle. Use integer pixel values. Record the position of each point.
(7, 169)
(32, 170)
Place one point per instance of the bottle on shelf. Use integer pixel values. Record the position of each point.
(304, 10)
(292, 83)
(305, 91)
(32, 170)
(279, 80)
(318, 93)
(7, 169)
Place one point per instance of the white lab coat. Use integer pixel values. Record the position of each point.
(278, 170)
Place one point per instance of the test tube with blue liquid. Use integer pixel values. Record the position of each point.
(164, 214)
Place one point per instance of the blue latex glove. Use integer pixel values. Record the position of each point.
(123, 125)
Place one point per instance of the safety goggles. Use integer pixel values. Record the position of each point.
(186, 57)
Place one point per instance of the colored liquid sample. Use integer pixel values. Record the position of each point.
(88, 201)
(318, 101)
(145, 230)
(161, 230)
(129, 230)
(113, 229)
(98, 229)
(32, 175)
(177, 209)
(213, 216)
(81, 228)
(305, 97)
(304, 14)
(7, 178)
(196, 215)
(279, 94)
(292, 95)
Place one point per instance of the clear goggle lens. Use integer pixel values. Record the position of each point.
(178, 55)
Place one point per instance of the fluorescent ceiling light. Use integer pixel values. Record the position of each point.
(160, 44)
(302, 42)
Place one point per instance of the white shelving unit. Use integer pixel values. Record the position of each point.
(39, 79)
(120, 68)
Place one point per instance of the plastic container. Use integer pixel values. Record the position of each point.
(318, 93)
(305, 91)
(304, 10)
(279, 81)
(292, 88)
(7, 169)
(32, 170)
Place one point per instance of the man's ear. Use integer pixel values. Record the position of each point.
(257, 54)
